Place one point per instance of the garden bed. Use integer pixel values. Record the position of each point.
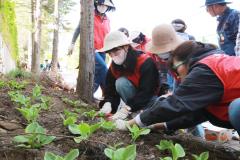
(12, 123)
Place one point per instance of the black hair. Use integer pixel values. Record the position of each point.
(180, 21)
(124, 30)
(139, 39)
(99, 2)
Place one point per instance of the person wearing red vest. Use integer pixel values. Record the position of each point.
(209, 90)
(101, 29)
(132, 76)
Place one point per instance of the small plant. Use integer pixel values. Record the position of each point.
(14, 85)
(108, 125)
(72, 155)
(2, 84)
(71, 102)
(202, 156)
(127, 153)
(136, 131)
(91, 114)
(30, 114)
(20, 99)
(36, 92)
(45, 102)
(68, 120)
(83, 129)
(177, 150)
(18, 73)
(35, 137)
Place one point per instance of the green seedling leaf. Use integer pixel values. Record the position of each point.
(35, 138)
(45, 102)
(36, 92)
(166, 158)
(30, 114)
(176, 150)
(136, 131)
(2, 84)
(69, 121)
(67, 113)
(15, 85)
(72, 155)
(91, 114)
(108, 125)
(202, 156)
(127, 153)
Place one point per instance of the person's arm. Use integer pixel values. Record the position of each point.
(199, 89)
(147, 86)
(110, 93)
(76, 34)
(237, 47)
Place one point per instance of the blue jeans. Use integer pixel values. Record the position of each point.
(125, 88)
(100, 71)
(234, 114)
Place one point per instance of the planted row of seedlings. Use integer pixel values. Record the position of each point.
(36, 137)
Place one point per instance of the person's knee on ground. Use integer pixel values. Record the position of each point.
(125, 88)
(234, 114)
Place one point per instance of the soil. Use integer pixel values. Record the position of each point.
(12, 123)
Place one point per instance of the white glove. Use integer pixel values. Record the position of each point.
(121, 125)
(106, 108)
(70, 49)
(121, 114)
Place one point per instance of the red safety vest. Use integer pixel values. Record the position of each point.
(135, 76)
(227, 69)
(101, 29)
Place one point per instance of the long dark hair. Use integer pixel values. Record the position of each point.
(186, 50)
(99, 2)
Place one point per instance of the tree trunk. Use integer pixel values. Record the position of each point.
(54, 63)
(87, 57)
(37, 39)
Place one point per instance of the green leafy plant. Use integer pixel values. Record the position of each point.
(36, 92)
(107, 125)
(15, 85)
(18, 73)
(30, 114)
(91, 114)
(72, 155)
(127, 153)
(35, 137)
(45, 102)
(2, 84)
(202, 156)
(19, 98)
(71, 102)
(136, 131)
(84, 130)
(176, 150)
(68, 120)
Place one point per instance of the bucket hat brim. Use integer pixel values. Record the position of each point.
(108, 48)
(150, 47)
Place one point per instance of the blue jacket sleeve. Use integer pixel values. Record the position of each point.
(76, 34)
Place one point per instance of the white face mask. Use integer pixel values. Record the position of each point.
(120, 58)
(102, 8)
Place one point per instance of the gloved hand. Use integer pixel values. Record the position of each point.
(106, 108)
(121, 125)
(122, 113)
(70, 49)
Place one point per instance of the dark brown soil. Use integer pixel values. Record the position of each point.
(93, 149)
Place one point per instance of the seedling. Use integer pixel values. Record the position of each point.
(68, 120)
(107, 125)
(2, 84)
(84, 130)
(127, 153)
(45, 102)
(15, 85)
(136, 131)
(35, 137)
(91, 114)
(30, 114)
(72, 155)
(36, 92)
(202, 156)
(176, 150)
(20, 99)
(71, 102)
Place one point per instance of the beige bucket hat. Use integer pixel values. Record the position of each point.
(164, 39)
(114, 39)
